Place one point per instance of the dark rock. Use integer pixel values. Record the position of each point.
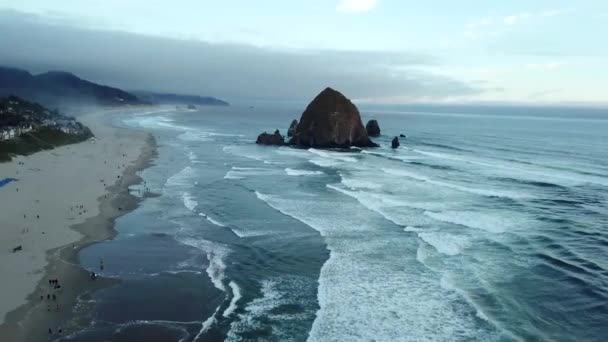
(402, 135)
(331, 120)
(373, 129)
(271, 139)
(395, 142)
(292, 128)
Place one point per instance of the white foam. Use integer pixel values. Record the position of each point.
(359, 300)
(258, 314)
(448, 284)
(294, 172)
(236, 296)
(360, 184)
(445, 243)
(195, 135)
(341, 156)
(189, 201)
(207, 324)
(245, 172)
(182, 178)
(213, 221)
(215, 134)
(325, 162)
(253, 152)
(216, 254)
(468, 189)
(494, 223)
(390, 207)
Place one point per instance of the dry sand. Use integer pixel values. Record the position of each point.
(63, 200)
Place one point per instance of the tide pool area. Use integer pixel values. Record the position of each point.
(6, 181)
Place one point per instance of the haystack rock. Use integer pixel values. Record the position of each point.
(373, 129)
(292, 128)
(395, 142)
(271, 139)
(331, 120)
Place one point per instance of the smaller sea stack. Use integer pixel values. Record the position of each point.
(395, 142)
(271, 139)
(373, 129)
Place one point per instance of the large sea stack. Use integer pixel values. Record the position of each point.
(329, 121)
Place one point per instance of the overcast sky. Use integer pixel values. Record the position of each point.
(391, 51)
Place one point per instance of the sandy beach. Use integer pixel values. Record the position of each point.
(63, 199)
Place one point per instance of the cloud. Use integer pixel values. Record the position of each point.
(545, 66)
(356, 6)
(514, 19)
(544, 93)
(555, 12)
(479, 23)
(231, 71)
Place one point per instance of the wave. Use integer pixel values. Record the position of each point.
(214, 222)
(294, 172)
(341, 156)
(237, 173)
(325, 162)
(352, 278)
(236, 296)
(392, 208)
(195, 135)
(277, 311)
(189, 201)
(216, 254)
(475, 191)
(182, 178)
(496, 223)
(445, 147)
(207, 324)
(540, 184)
(445, 243)
(360, 184)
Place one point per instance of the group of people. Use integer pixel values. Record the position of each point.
(52, 296)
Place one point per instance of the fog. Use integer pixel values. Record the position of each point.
(229, 71)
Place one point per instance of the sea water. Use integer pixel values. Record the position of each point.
(488, 224)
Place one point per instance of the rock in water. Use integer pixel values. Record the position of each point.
(271, 139)
(331, 120)
(292, 128)
(402, 135)
(395, 142)
(373, 129)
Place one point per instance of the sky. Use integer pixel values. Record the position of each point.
(382, 51)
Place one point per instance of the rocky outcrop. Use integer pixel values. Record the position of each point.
(271, 139)
(395, 142)
(292, 128)
(372, 128)
(402, 135)
(331, 120)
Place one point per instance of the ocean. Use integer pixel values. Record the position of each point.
(487, 224)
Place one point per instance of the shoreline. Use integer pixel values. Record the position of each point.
(32, 320)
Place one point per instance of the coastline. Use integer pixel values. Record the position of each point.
(31, 321)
